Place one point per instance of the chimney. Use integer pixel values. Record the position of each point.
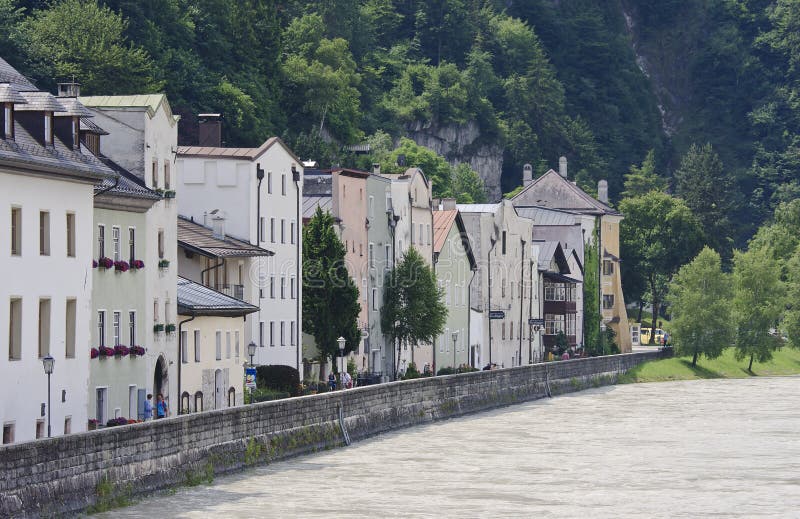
(448, 204)
(376, 168)
(218, 227)
(562, 166)
(602, 191)
(72, 89)
(527, 174)
(210, 130)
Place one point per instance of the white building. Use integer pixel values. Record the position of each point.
(142, 139)
(47, 182)
(258, 193)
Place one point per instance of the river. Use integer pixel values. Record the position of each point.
(726, 448)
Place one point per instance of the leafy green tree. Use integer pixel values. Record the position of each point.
(791, 318)
(758, 304)
(413, 310)
(658, 235)
(702, 183)
(700, 304)
(330, 297)
(591, 298)
(431, 163)
(643, 179)
(10, 16)
(780, 236)
(82, 39)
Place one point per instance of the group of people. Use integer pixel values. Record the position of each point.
(161, 410)
(345, 381)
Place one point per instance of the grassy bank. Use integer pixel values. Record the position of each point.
(784, 362)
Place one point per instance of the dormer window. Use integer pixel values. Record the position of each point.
(48, 128)
(76, 133)
(8, 121)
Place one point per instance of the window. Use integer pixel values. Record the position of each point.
(554, 291)
(272, 230)
(219, 345)
(236, 344)
(292, 287)
(570, 329)
(101, 241)
(167, 182)
(388, 252)
(388, 201)
(132, 243)
(503, 288)
(16, 231)
(8, 433)
(269, 182)
(441, 344)
(155, 174)
(101, 328)
(15, 330)
(371, 255)
(292, 333)
(48, 128)
(503, 329)
(67, 425)
(283, 333)
(132, 328)
(166, 312)
(553, 324)
(69, 328)
(292, 231)
(283, 287)
(184, 347)
(504, 242)
(161, 244)
(512, 290)
(44, 233)
(446, 338)
(428, 231)
(262, 228)
(198, 402)
(511, 330)
(374, 299)
(197, 345)
(227, 345)
(271, 288)
(155, 311)
(115, 240)
(231, 397)
(71, 235)
(271, 332)
(372, 207)
(8, 119)
(100, 409)
(44, 328)
(608, 301)
(132, 403)
(421, 238)
(283, 184)
(116, 327)
(283, 230)
(39, 429)
(608, 268)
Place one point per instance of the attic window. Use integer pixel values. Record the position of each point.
(48, 128)
(8, 121)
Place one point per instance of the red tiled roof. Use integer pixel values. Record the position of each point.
(442, 222)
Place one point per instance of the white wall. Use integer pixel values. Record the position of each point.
(58, 277)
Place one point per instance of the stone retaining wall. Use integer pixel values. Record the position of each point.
(75, 472)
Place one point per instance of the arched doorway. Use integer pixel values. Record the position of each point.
(219, 389)
(161, 378)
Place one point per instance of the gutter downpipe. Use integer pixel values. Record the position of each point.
(298, 270)
(259, 177)
(180, 358)
(530, 314)
(469, 318)
(521, 304)
(433, 346)
(220, 262)
(489, 305)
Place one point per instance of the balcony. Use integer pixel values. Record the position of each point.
(236, 291)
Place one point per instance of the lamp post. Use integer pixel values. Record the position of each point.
(251, 350)
(455, 338)
(341, 341)
(48, 363)
(602, 337)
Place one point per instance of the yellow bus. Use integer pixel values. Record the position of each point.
(644, 337)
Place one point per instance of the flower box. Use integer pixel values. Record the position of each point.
(136, 350)
(164, 263)
(158, 328)
(117, 421)
(94, 353)
(159, 191)
(121, 266)
(121, 351)
(170, 328)
(94, 264)
(137, 264)
(169, 194)
(105, 263)
(92, 424)
(105, 351)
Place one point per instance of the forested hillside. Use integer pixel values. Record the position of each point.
(494, 84)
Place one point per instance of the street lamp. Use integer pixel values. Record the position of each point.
(341, 341)
(48, 363)
(455, 338)
(602, 337)
(251, 350)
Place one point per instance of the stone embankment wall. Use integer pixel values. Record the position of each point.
(76, 472)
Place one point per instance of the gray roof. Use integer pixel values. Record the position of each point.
(196, 299)
(547, 216)
(90, 126)
(478, 208)
(40, 102)
(128, 184)
(9, 94)
(73, 108)
(200, 239)
(310, 204)
(9, 74)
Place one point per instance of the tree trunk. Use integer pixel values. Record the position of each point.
(750, 367)
(641, 309)
(397, 366)
(655, 317)
(694, 359)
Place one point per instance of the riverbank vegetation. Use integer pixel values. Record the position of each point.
(785, 361)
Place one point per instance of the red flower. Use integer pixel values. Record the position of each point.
(106, 351)
(121, 266)
(119, 349)
(137, 264)
(94, 353)
(105, 263)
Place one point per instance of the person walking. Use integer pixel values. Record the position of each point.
(331, 381)
(161, 407)
(148, 407)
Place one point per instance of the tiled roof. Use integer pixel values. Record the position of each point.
(234, 153)
(9, 74)
(73, 107)
(40, 102)
(128, 184)
(9, 94)
(310, 204)
(546, 215)
(553, 190)
(149, 101)
(201, 239)
(442, 221)
(196, 299)
(90, 126)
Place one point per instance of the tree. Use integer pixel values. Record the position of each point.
(330, 297)
(591, 298)
(468, 187)
(658, 235)
(702, 183)
(82, 39)
(791, 319)
(700, 301)
(413, 311)
(643, 179)
(758, 303)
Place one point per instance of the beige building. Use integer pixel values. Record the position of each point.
(213, 351)
(553, 190)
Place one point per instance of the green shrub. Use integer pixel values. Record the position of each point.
(411, 372)
(263, 394)
(279, 378)
(447, 370)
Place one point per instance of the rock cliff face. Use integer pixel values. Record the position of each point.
(463, 143)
